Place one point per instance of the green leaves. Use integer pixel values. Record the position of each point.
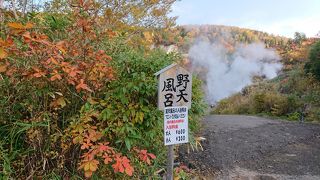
(313, 65)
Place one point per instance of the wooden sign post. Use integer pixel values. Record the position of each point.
(174, 98)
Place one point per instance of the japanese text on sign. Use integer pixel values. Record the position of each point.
(177, 88)
(175, 84)
(176, 125)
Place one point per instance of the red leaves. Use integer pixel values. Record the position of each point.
(88, 136)
(122, 165)
(90, 164)
(126, 164)
(145, 156)
(118, 167)
(90, 140)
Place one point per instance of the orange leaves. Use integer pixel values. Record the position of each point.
(60, 46)
(3, 68)
(126, 164)
(3, 53)
(88, 137)
(55, 76)
(38, 73)
(18, 27)
(122, 165)
(110, 33)
(73, 61)
(90, 164)
(15, 25)
(86, 145)
(4, 44)
(107, 158)
(82, 86)
(27, 37)
(96, 151)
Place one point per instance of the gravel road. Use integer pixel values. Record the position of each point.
(247, 147)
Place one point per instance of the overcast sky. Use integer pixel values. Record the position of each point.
(279, 17)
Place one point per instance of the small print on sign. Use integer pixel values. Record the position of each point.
(176, 125)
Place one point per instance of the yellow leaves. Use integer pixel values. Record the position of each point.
(3, 44)
(148, 36)
(92, 101)
(157, 12)
(139, 117)
(77, 140)
(89, 167)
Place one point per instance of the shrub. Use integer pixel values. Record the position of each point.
(259, 104)
(112, 132)
(313, 65)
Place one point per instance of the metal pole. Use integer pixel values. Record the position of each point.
(170, 162)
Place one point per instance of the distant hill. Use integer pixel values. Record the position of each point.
(292, 51)
(293, 94)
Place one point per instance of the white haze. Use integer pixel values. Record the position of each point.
(226, 76)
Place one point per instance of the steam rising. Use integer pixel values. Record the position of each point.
(229, 72)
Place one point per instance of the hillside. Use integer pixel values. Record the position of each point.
(293, 94)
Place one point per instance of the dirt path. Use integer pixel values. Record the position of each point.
(246, 147)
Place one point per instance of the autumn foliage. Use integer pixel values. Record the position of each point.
(49, 79)
(78, 92)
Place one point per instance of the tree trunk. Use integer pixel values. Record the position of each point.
(24, 7)
(1, 10)
(14, 8)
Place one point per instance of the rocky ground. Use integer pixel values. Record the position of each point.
(247, 147)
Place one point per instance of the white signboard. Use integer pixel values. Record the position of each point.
(175, 85)
(176, 125)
